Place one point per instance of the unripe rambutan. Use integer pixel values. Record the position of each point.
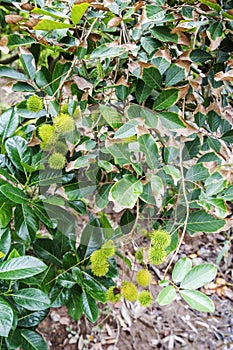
(99, 263)
(61, 147)
(129, 291)
(46, 131)
(108, 249)
(113, 294)
(145, 298)
(139, 255)
(156, 256)
(64, 124)
(35, 104)
(143, 278)
(160, 239)
(57, 161)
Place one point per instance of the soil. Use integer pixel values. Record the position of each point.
(128, 326)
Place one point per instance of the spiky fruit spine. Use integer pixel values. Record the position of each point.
(139, 255)
(64, 124)
(35, 104)
(64, 108)
(108, 249)
(145, 298)
(46, 131)
(160, 239)
(113, 294)
(57, 161)
(156, 256)
(144, 278)
(129, 291)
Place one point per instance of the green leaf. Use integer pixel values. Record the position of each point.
(200, 221)
(161, 63)
(89, 307)
(6, 320)
(104, 51)
(5, 240)
(122, 92)
(197, 172)
(17, 151)
(112, 117)
(152, 77)
(49, 12)
(174, 75)
(17, 40)
(28, 62)
(78, 11)
(32, 319)
(48, 24)
(8, 72)
(101, 197)
(5, 214)
(197, 300)
(150, 45)
(200, 56)
(167, 295)
(198, 276)
(22, 267)
(14, 194)
(155, 13)
(149, 148)
(143, 91)
(47, 250)
(164, 34)
(215, 29)
(126, 191)
(9, 121)
(166, 99)
(26, 223)
(31, 299)
(32, 340)
(181, 268)
(74, 305)
(127, 130)
(191, 149)
(59, 74)
(228, 136)
(171, 120)
(173, 172)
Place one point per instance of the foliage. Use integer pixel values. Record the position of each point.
(126, 109)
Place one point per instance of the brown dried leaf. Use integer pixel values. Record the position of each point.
(114, 22)
(138, 5)
(220, 76)
(32, 22)
(3, 45)
(27, 7)
(12, 19)
(183, 39)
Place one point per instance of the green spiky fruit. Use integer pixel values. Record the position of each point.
(139, 255)
(113, 294)
(64, 124)
(129, 291)
(144, 278)
(99, 263)
(57, 161)
(46, 131)
(156, 256)
(61, 147)
(160, 239)
(108, 249)
(145, 298)
(35, 104)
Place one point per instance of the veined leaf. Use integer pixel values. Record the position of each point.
(198, 276)
(197, 300)
(152, 77)
(78, 11)
(180, 270)
(166, 99)
(32, 340)
(6, 319)
(22, 267)
(167, 295)
(48, 24)
(31, 299)
(201, 221)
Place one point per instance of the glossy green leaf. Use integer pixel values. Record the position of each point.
(198, 276)
(200, 56)
(74, 305)
(127, 130)
(28, 62)
(111, 116)
(174, 75)
(143, 91)
(164, 34)
(22, 267)
(5, 240)
(8, 72)
(48, 24)
(104, 51)
(6, 319)
(13, 193)
(89, 307)
(150, 45)
(78, 11)
(126, 191)
(9, 122)
(5, 214)
(47, 11)
(211, 4)
(32, 340)
(149, 148)
(152, 77)
(31, 299)
(167, 295)
(197, 300)
(166, 99)
(181, 268)
(171, 120)
(197, 172)
(26, 223)
(18, 151)
(201, 221)
(155, 13)
(17, 40)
